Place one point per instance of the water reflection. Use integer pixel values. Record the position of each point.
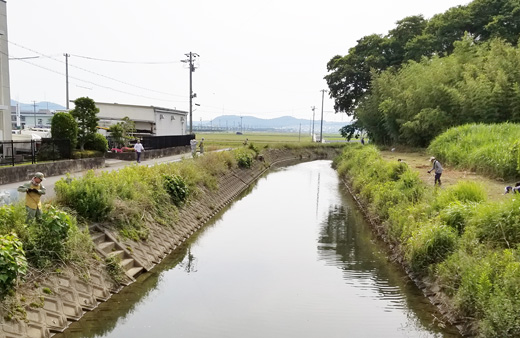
(291, 259)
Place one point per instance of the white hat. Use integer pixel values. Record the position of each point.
(432, 158)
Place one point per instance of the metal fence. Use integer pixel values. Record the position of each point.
(161, 142)
(47, 149)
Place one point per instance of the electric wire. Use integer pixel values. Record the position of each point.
(94, 73)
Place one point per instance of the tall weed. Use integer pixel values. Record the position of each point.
(498, 223)
(430, 244)
(490, 149)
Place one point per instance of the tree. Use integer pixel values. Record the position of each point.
(397, 39)
(349, 76)
(85, 112)
(117, 134)
(65, 127)
(128, 129)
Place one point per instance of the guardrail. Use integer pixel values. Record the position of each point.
(31, 151)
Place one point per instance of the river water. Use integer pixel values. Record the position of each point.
(291, 258)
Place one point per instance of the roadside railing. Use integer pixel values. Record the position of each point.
(162, 142)
(32, 151)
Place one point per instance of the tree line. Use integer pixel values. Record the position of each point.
(425, 76)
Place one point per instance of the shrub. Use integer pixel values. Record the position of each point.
(498, 223)
(177, 188)
(12, 261)
(244, 158)
(48, 237)
(430, 244)
(456, 215)
(114, 268)
(90, 196)
(96, 142)
(463, 191)
(77, 154)
(65, 127)
(12, 219)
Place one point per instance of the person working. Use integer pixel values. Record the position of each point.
(437, 167)
(201, 145)
(34, 189)
(193, 145)
(513, 190)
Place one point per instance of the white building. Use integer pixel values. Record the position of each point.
(149, 120)
(5, 93)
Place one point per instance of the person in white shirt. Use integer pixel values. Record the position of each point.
(138, 147)
(193, 145)
(437, 167)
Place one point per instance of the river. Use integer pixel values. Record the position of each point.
(293, 257)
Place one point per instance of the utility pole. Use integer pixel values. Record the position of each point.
(312, 132)
(191, 58)
(321, 129)
(67, 78)
(34, 112)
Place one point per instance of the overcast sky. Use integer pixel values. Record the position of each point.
(257, 58)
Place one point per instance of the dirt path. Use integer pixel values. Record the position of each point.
(420, 161)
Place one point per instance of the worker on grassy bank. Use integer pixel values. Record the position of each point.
(33, 192)
(437, 167)
(201, 145)
(513, 190)
(193, 145)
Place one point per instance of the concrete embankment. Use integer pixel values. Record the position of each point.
(63, 297)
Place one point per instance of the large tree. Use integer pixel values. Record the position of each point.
(85, 112)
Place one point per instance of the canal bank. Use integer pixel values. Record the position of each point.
(64, 297)
(291, 257)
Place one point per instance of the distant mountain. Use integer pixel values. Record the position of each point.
(286, 123)
(39, 105)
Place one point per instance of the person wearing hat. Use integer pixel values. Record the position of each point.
(201, 145)
(34, 190)
(437, 167)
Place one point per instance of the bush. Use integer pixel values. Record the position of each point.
(90, 196)
(177, 188)
(114, 268)
(96, 142)
(12, 219)
(498, 223)
(12, 262)
(457, 214)
(48, 237)
(463, 191)
(244, 158)
(65, 127)
(430, 244)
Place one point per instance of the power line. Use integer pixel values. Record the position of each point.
(98, 85)
(128, 62)
(92, 72)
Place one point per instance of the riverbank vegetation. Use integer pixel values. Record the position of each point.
(491, 150)
(468, 245)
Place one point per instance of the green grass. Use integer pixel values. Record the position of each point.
(259, 139)
(468, 245)
(491, 149)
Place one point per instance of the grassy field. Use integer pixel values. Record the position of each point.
(420, 161)
(259, 139)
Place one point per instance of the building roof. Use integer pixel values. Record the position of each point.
(156, 109)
